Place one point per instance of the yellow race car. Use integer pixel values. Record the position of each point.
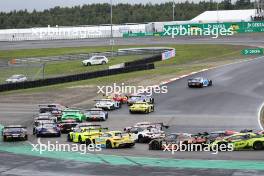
(115, 139)
(141, 107)
(86, 134)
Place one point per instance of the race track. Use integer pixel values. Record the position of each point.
(245, 39)
(231, 103)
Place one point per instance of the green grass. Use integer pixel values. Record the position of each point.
(188, 58)
(54, 69)
(23, 53)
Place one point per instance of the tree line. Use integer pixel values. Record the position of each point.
(96, 14)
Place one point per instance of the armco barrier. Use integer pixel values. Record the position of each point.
(71, 78)
(144, 61)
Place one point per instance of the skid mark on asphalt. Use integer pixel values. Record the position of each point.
(135, 161)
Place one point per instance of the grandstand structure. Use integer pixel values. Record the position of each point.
(259, 11)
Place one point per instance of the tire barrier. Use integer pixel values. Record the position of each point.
(144, 61)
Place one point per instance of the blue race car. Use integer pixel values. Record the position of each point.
(47, 129)
(199, 82)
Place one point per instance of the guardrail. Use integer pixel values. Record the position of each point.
(120, 52)
(137, 65)
(71, 78)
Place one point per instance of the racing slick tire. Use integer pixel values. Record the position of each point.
(4, 138)
(80, 140)
(131, 145)
(258, 146)
(88, 142)
(108, 145)
(155, 145)
(88, 64)
(59, 135)
(140, 139)
(210, 83)
(69, 139)
(103, 63)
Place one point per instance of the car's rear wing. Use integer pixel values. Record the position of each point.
(96, 129)
(160, 124)
(92, 125)
(8, 127)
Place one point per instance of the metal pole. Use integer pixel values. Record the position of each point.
(217, 6)
(43, 70)
(112, 38)
(173, 10)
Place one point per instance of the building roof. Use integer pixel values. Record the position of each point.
(224, 16)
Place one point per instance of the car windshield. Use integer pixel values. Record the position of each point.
(197, 79)
(140, 103)
(118, 134)
(71, 112)
(172, 136)
(135, 97)
(95, 112)
(48, 125)
(13, 129)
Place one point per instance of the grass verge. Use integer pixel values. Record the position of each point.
(189, 58)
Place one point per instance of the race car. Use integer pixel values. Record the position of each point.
(144, 125)
(96, 114)
(142, 107)
(145, 135)
(73, 114)
(199, 82)
(217, 135)
(54, 109)
(139, 98)
(47, 129)
(45, 116)
(115, 139)
(169, 141)
(38, 122)
(67, 126)
(86, 134)
(241, 141)
(107, 104)
(122, 98)
(14, 133)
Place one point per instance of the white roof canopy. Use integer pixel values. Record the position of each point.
(224, 16)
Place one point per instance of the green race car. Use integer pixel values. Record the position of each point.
(241, 141)
(85, 134)
(73, 114)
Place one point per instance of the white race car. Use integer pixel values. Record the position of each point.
(158, 125)
(145, 135)
(16, 79)
(107, 104)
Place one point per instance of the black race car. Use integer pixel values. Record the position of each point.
(14, 133)
(67, 125)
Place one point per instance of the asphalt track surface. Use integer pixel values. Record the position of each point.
(252, 40)
(232, 103)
